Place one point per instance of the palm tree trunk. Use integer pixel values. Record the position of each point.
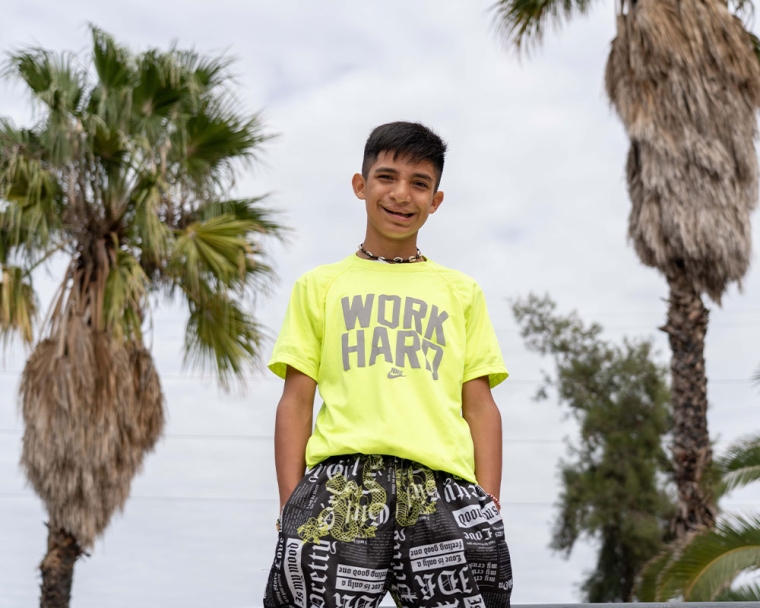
(692, 454)
(58, 569)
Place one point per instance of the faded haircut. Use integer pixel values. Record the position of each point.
(409, 140)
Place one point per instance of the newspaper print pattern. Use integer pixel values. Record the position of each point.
(359, 526)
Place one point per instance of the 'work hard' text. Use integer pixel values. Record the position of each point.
(405, 332)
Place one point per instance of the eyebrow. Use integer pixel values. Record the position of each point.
(394, 172)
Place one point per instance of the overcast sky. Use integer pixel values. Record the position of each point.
(535, 201)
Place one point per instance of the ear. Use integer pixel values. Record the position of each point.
(437, 200)
(359, 184)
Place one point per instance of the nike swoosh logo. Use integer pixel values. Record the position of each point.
(396, 373)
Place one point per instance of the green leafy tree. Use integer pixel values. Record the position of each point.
(613, 484)
(126, 172)
(684, 77)
(704, 566)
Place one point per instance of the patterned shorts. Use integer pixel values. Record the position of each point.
(359, 526)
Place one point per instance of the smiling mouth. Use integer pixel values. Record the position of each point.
(398, 213)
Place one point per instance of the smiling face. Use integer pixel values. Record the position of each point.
(399, 195)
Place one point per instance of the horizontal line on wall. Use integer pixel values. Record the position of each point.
(175, 376)
(233, 499)
(254, 438)
(238, 437)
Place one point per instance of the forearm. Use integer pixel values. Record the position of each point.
(291, 433)
(484, 419)
(486, 437)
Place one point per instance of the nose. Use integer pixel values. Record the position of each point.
(401, 192)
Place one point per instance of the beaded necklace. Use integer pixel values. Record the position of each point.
(398, 260)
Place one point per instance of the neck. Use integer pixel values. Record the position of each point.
(389, 249)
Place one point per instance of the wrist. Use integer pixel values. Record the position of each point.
(495, 500)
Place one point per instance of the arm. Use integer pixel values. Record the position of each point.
(481, 413)
(292, 429)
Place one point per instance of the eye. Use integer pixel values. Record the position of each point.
(384, 178)
(421, 184)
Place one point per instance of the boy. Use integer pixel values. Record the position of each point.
(405, 457)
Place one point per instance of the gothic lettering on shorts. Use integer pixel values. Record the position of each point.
(474, 515)
(294, 573)
(406, 594)
(279, 554)
(398, 567)
(456, 491)
(440, 548)
(320, 558)
(491, 513)
(404, 332)
(437, 555)
(484, 534)
(491, 573)
(434, 563)
(452, 604)
(344, 600)
(448, 582)
(360, 579)
(476, 601)
(314, 473)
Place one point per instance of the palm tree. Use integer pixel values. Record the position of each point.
(126, 173)
(703, 566)
(684, 77)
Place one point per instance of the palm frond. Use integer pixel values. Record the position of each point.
(745, 593)
(221, 337)
(113, 63)
(208, 72)
(145, 226)
(18, 305)
(111, 97)
(710, 560)
(109, 144)
(53, 79)
(27, 184)
(212, 250)
(260, 219)
(523, 22)
(58, 83)
(158, 93)
(211, 139)
(125, 297)
(740, 465)
(649, 584)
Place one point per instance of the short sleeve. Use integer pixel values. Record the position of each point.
(299, 343)
(482, 353)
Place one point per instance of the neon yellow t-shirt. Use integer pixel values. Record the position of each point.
(390, 346)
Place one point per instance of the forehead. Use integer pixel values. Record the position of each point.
(402, 163)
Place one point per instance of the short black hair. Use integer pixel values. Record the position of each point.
(411, 140)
